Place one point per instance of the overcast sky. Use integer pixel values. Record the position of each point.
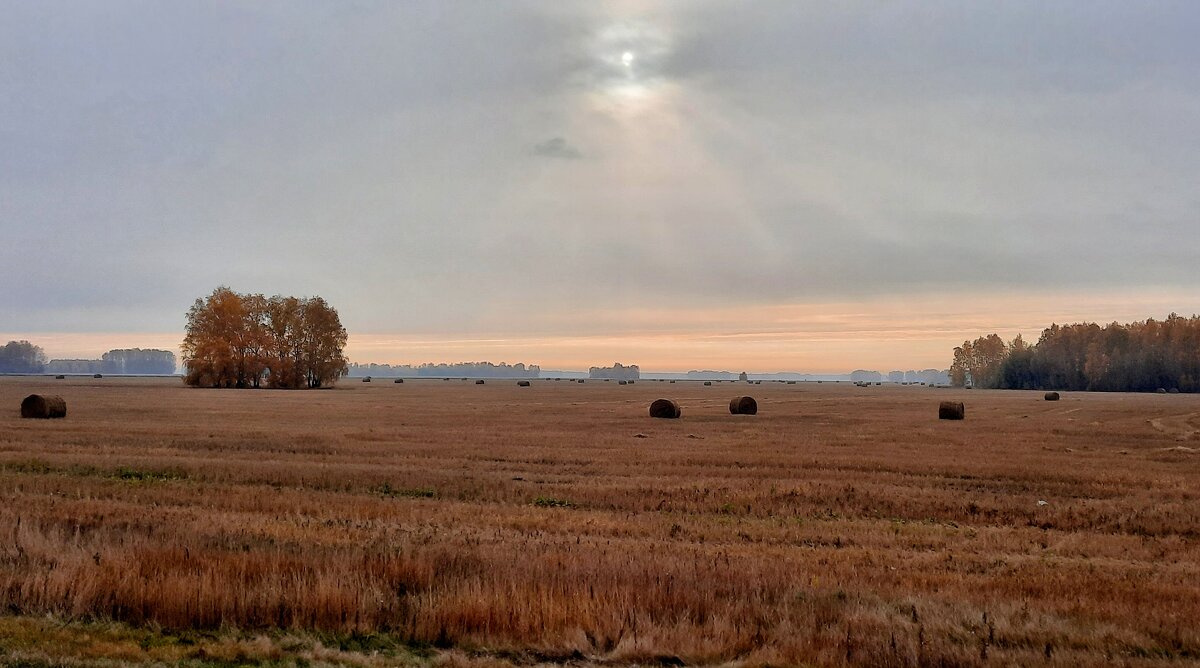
(764, 185)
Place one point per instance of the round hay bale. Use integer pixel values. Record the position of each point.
(60, 377)
(664, 408)
(743, 406)
(522, 383)
(398, 381)
(621, 382)
(43, 406)
(1173, 390)
(708, 382)
(367, 379)
(631, 382)
(479, 382)
(1052, 396)
(951, 410)
(99, 375)
(672, 382)
(1161, 390)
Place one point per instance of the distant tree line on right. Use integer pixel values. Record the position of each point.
(1135, 357)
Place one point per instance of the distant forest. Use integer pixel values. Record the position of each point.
(25, 357)
(617, 371)
(1136, 357)
(460, 369)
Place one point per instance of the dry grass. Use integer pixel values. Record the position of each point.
(560, 523)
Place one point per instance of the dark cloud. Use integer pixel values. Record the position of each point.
(557, 147)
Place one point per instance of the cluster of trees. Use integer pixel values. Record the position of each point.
(927, 376)
(865, 376)
(137, 360)
(21, 357)
(616, 372)
(1139, 356)
(248, 340)
(458, 369)
(707, 374)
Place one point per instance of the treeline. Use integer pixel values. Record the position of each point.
(25, 357)
(124, 361)
(1136, 357)
(617, 371)
(458, 369)
(927, 376)
(248, 340)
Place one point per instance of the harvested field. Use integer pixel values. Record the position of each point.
(558, 522)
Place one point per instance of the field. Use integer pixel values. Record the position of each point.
(443, 522)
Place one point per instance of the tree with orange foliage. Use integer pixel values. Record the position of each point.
(236, 340)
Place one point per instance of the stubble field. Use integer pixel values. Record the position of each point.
(452, 523)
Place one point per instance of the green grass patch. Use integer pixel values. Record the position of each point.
(386, 490)
(123, 473)
(551, 502)
(137, 475)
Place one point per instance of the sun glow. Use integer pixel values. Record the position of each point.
(627, 66)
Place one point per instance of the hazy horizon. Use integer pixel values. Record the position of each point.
(770, 186)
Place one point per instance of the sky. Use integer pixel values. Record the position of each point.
(763, 185)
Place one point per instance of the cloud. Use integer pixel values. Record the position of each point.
(557, 148)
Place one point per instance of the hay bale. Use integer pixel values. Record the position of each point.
(708, 382)
(1161, 390)
(631, 382)
(522, 383)
(60, 377)
(743, 406)
(665, 408)
(398, 381)
(621, 382)
(1052, 396)
(479, 382)
(1173, 390)
(43, 406)
(672, 382)
(99, 375)
(367, 379)
(951, 410)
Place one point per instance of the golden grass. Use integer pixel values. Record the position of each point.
(839, 526)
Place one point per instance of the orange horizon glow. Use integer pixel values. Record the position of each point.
(883, 334)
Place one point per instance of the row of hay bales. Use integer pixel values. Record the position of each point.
(666, 408)
(669, 409)
(367, 379)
